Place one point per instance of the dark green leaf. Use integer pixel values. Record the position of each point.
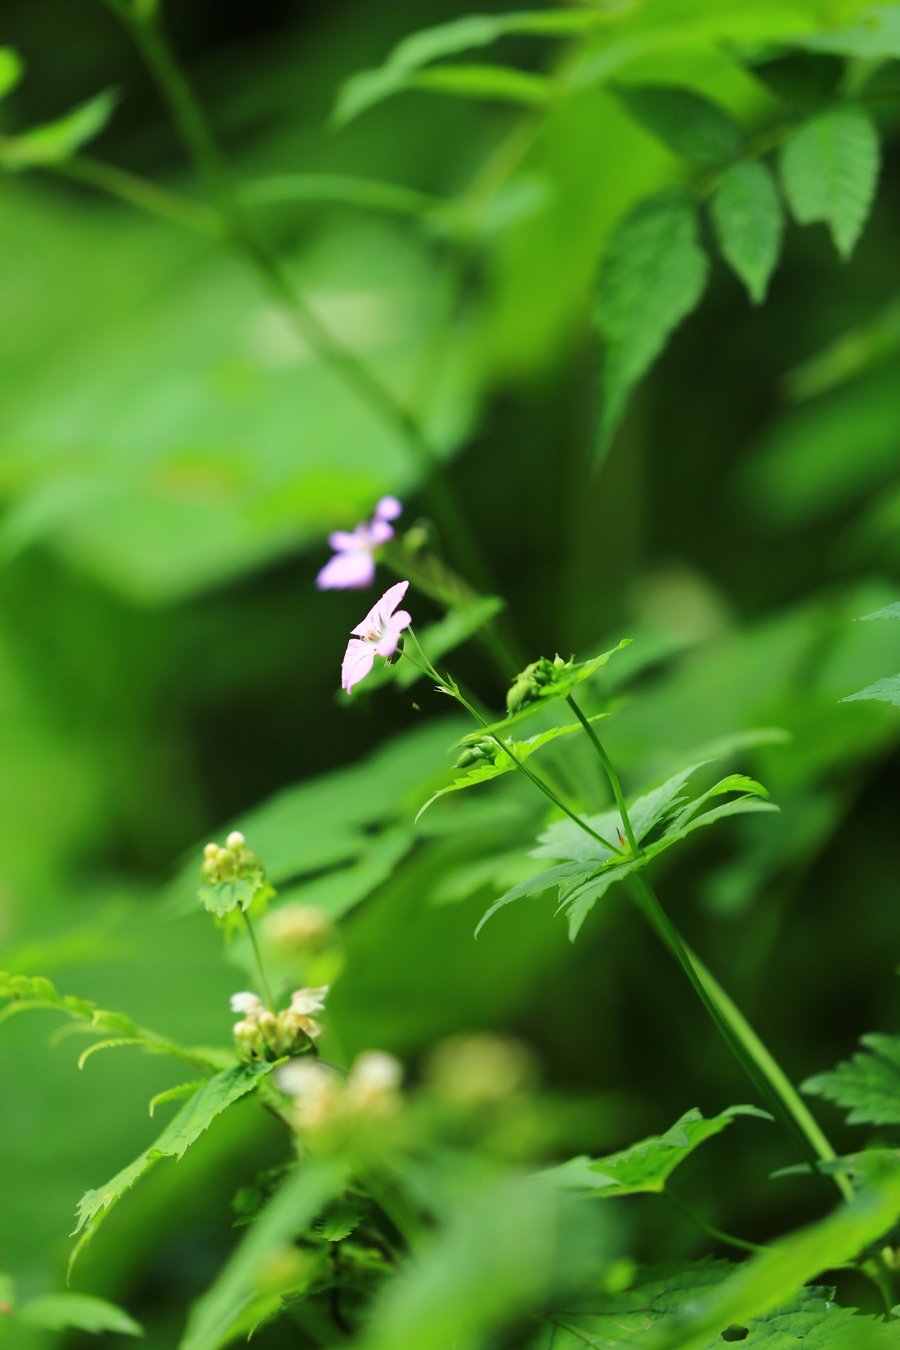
(747, 216)
(829, 168)
(652, 275)
(687, 122)
(868, 1085)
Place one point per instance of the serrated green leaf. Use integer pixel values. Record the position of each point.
(113, 1043)
(339, 1222)
(223, 897)
(174, 1094)
(888, 612)
(882, 691)
(10, 70)
(663, 1295)
(370, 87)
(183, 1130)
(868, 1085)
(78, 1312)
(829, 168)
(502, 83)
(564, 681)
(765, 1282)
(305, 1193)
(747, 216)
(687, 122)
(652, 275)
(645, 1167)
(519, 751)
(57, 140)
(734, 782)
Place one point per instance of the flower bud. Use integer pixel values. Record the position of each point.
(235, 840)
(297, 929)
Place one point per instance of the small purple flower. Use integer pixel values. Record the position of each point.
(377, 635)
(353, 564)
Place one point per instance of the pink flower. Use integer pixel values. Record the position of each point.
(377, 635)
(353, 564)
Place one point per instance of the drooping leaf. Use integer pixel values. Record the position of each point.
(370, 87)
(183, 1130)
(10, 70)
(519, 751)
(77, 1312)
(504, 84)
(57, 140)
(829, 168)
(645, 1167)
(307, 1191)
(651, 277)
(882, 691)
(747, 216)
(868, 1085)
(687, 122)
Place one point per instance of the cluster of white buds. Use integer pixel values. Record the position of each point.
(324, 1098)
(228, 863)
(297, 929)
(263, 1034)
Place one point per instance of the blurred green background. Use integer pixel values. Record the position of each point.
(172, 458)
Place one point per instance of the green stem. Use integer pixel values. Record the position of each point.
(138, 192)
(710, 1229)
(611, 775)
(263, 979)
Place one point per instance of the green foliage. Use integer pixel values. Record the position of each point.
(183, 1130)
(691, 125)
(868, 1085)
(886, 690)
(55, 141)
(555, 679)
(652, 276)
(747, 216)
(829, 167)
(10, 70)
(500, 83)
(645, 1167)
(76, 1312)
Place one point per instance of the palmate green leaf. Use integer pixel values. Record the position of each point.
(57, 140)
(886, 690)
(763, 1284)
(503, 84)
(645, 1167)
(565, 680)
(748, 220)
(309, 1188)
(651, 277)
(183, 1130)
(662, 1295)
(687, 122)
(829, 168)
(77, 1312)
(868, 1085)
(518, 751)
(370, 87)
(10, 70)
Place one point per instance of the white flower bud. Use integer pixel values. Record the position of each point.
(211, 851)
(375, 1071)
(235, 840)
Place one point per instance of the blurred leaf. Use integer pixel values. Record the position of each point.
(687, 122)
(868, 1084)
(183, 1130)
(875, 37)
(370, 87)
(77, 1312)
(501, 83)
(799, 78)
(55, 141)
(887, 612)
(762, 1284)
(829, 168)
(850, 355)
(882, 691)
(305, 1193)
(367, 193)
(748, 221)
(645, 1167)
(339, 1222)
(10, 70)
(652, 275)
(518, 751)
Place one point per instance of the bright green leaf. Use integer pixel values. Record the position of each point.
(79, 1312)
(645, 1167)
(502, 83)
(888, 612)
(882, 691)
(868, 1085)
(652, 275)
(688, 123)
(10, 70)
(57, 140)
(747, 216)
(829, 168)
(174, 1094)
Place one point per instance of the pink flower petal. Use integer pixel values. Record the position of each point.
(380, 532)
(359, 659)
(391, 636)
(389, 508)
(347, 571)
(377, 618)
(344, 540)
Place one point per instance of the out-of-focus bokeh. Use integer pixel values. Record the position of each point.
(173, 455)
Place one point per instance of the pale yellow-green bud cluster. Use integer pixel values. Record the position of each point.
(229, 863)
(262, 1034)
(325, 1101)
(527, 687)
(297, 929)
(481, 1068)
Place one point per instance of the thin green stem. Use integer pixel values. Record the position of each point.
(261, 970)
(710, 1229)
(611, 775)
(138, 192)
